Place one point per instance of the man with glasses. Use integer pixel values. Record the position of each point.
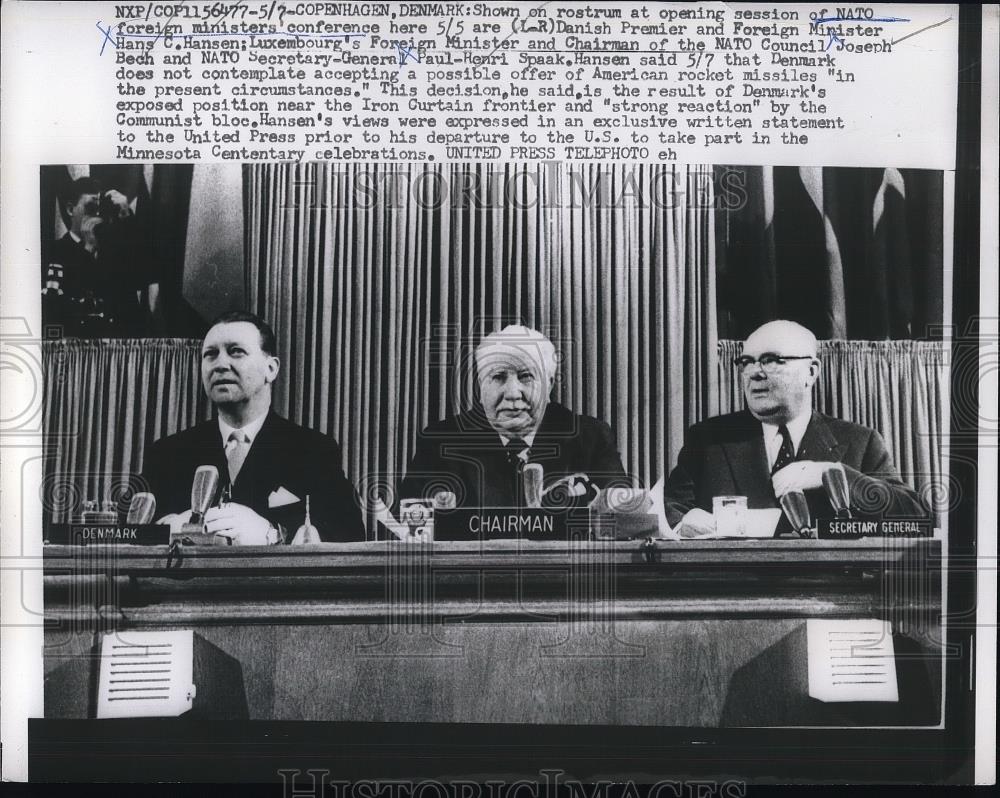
(779, 444)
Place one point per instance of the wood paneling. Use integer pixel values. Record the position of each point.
(711, 637)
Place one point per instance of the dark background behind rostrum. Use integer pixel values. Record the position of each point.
(851, 253)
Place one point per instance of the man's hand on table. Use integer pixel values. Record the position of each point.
(241, 525)
(802, 475)
(696, 523)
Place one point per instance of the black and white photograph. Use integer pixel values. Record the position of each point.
(503, 444)
(345, 472)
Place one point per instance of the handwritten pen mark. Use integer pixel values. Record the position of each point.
(233, 34)
(170, 19)
(825, 20)
(404, 52)
(909, 35)
(107, 37)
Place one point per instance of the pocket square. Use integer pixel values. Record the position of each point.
(281, 497)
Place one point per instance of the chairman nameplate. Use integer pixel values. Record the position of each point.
(498, 523)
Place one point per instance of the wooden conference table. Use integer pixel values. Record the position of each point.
(677, 633)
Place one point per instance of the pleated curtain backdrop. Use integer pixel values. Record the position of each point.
(379, 281)
(104, 401)
(899, 388)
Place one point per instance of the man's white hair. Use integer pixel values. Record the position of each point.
(521, 342)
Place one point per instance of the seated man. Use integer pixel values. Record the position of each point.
(267, 465)
(98, 282)
(779, 444)
(480, 454)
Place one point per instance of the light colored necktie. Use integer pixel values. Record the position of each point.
(236, 452)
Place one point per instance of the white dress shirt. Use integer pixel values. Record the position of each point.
(246, 435)
(251, 430)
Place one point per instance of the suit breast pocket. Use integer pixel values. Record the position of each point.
(282, 497)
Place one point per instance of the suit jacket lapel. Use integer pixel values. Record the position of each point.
(549, 445)
(257, 458)
(214, 450)
(748, 459)
(252, 483)
(819, 442)
(210, 451)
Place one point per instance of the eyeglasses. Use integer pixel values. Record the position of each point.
(770, 363)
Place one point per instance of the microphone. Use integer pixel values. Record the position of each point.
(532, 477)
(797, 511)
(142, 509)
(837, 491)
(206, 480)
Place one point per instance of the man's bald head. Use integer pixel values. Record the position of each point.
(781, 336)
(778, 383)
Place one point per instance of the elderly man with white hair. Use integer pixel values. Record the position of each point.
(480, 454)
(780, 444)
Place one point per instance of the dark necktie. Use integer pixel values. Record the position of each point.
(512, 450)
(786, 454)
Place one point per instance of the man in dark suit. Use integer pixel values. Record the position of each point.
(480, 454)
(98, 281)
(268, 466)
(779, 444)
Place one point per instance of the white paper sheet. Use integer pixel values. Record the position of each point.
(761, 523)
(658, 508)
(146, 674)
(851, 660)
(758, 524)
